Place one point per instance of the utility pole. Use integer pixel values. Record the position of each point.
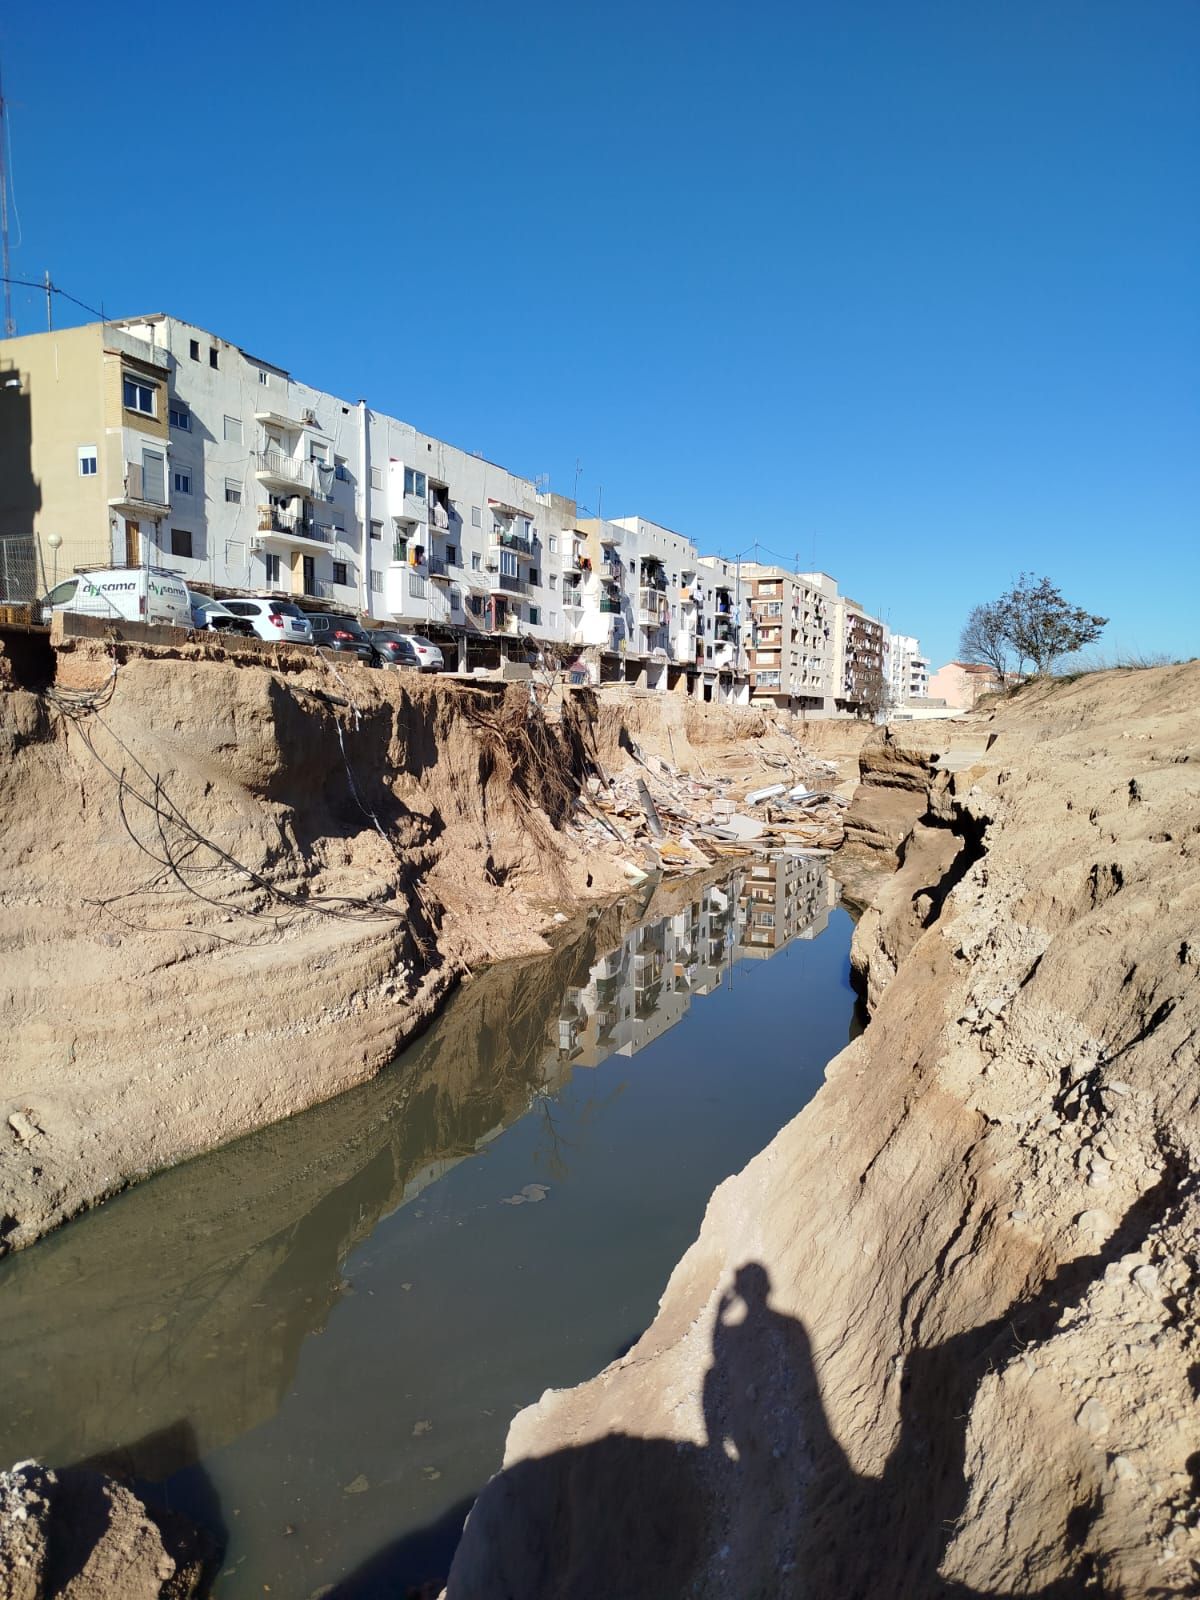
(10, 326)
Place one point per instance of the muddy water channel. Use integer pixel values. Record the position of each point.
(312, 1342)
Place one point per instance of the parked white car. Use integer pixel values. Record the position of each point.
(272, 619)
(429, 657)
(123, 594)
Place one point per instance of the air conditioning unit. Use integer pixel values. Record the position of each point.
(309, 417)
(257, 544)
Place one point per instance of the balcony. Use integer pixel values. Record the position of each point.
(610, 604)
(503, 539)
(280, 419)
(291, 528)
(288, 473)
(142, 494)
(724, 629)
(507, 583)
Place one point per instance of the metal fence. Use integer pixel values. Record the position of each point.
(20, 578)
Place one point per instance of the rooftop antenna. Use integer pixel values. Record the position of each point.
(10, 326)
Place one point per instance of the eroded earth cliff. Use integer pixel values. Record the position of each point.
(940, 1337)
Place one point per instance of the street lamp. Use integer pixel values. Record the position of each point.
(55, 542)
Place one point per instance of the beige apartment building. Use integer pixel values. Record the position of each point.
(84, 447)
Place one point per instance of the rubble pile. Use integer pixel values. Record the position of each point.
(672, 820)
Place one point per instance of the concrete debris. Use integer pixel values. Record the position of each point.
(685, 821)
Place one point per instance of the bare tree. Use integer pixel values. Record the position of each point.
(985, 639)
(1042, 626)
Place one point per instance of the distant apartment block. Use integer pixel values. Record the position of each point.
(907, 669)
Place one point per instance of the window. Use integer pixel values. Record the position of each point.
(88, 461)
(377, 477)
(139, 395)
(181, 542)
(508, 563)
(535, 578)
(233, 492)
(233, 430)
(181, 480)
(212, 355)
(414, 483)
(339, 572)
(527, 527)
(64, 592)
(264, 378)
(194, 349)
(553, 544)
(476, 517)
(318, 453)
(535, 616)
(377, 530)
(451, 555)
(181, 417)
(340, 470)
(399, 549)
(416, 586)
(552, 619)
(553, 579)
(376, 581)
(271, 562)
(475, 561)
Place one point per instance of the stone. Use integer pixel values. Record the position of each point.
(1146, 1279)
(1092, 1417)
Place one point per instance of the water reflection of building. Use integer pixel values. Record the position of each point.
(783, 897)
(639, 991)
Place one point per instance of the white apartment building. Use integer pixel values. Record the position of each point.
(907, 669)
(151, 440)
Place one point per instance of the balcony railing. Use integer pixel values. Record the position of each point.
(611, 605)
(508, 583)
(502, 539)
(293, 524)
(273, 464)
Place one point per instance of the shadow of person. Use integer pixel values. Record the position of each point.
(771, 1505)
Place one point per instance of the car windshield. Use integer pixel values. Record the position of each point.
(282, 608)
(421, 643)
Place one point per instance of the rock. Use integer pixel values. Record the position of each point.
(23, 1125)
(1094, 1223)
(1092, 1417)
(74, 1534)
(1146, 1279)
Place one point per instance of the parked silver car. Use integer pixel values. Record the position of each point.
(429, 657)
(273, 619)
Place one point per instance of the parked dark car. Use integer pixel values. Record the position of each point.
(343, 634)
(394, 649)
(213, 617)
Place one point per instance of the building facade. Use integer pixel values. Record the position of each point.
(907, 669)
(150, 441)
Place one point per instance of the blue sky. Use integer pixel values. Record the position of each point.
(904, 288)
